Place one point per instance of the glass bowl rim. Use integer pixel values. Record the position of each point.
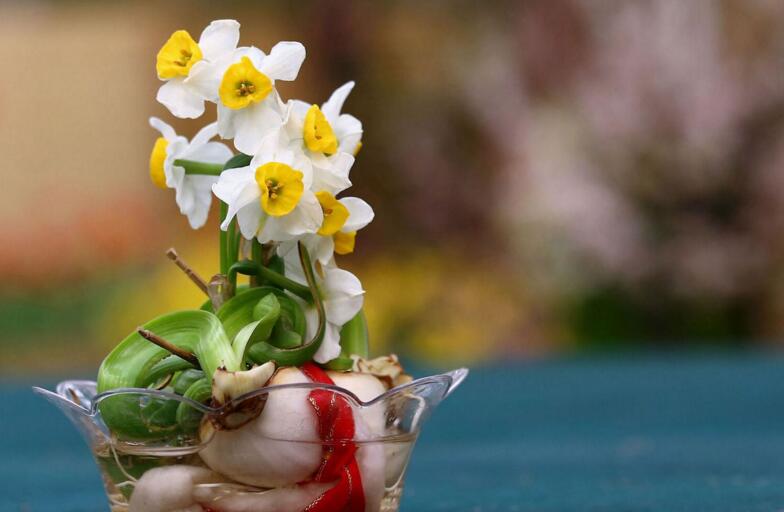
(450, 380)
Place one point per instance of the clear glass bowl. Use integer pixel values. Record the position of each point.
(243, 457)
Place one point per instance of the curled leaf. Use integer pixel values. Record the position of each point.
(129, 364)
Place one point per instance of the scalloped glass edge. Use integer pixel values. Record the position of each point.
(79, 399)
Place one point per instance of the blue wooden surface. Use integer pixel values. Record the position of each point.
(658, 433)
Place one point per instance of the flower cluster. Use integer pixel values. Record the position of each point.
(297, 158)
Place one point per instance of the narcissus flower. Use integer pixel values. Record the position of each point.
(193, 192)
(360, 215)
(337, 233)
(249, 107)
(271, 197)
(181, 58)
(329, 138)
(324, 130)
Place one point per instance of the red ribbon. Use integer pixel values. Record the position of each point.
(336, 429)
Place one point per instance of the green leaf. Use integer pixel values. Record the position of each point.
(267, 311)
(342, 363)
(283, 337)
(353, 342)
(267, 307)
(238, 160)
(130, 364)
(188, 418)
(237, 312)
(169, 365)
(264, 351)
(185, 380)
(354, 336)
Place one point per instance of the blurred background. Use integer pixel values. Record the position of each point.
(549, 177)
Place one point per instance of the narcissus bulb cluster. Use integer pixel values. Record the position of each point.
(264, 399)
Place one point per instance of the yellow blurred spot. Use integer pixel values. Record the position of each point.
(436, 307)
(159, 290)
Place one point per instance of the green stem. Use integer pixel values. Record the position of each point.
(284, 282)
(263, 351)
(201, 168)
(250, 268)
(223, 242)
(235, 242)
(232, 248)
(256, 256)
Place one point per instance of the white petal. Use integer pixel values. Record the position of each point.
(334, 104)
(330, 345)
(319, 247)
(324, 179)
(301, 163)
(285, 250)
(292, 265)
(237, 188)
(324, 249)
(226, 121)
(253, 123)
(331, 174)
(204, 135)
(285, 156)
(255, 55)
(295, 120)
(185, 197)
(175, 149)
(246, 196)
(344, 295)
(360, 214)
(186, 194)
(347, 125)
(348, 131)
(284, 61)
(220, 37)
(249, 220)
(231, 181)
(299, 109)
(205, 78)
(268, 149)
(305, 218)
(167, 131)
(341, 163)
(272, 231)
(181, 100)
(202, 199)
(211, 152)
(350, 143)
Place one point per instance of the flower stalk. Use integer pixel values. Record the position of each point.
(252, 268)
(192, 167)
(256, 256)
(223, 238)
